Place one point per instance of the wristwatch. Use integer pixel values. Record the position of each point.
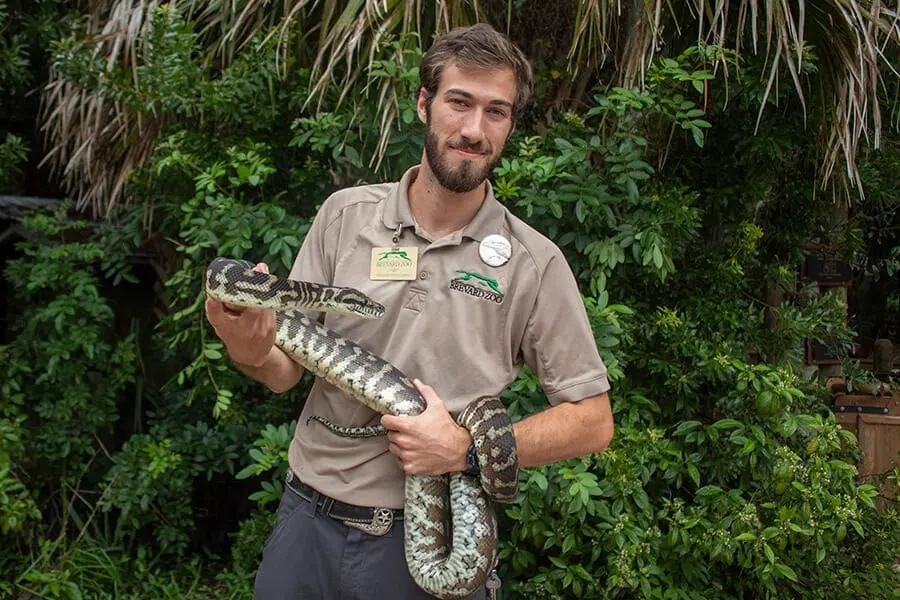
(473, 467)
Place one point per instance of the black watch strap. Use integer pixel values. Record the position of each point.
(473, 467)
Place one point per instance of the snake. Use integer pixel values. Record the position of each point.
(450, 530)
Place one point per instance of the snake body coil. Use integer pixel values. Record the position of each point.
(446, 564)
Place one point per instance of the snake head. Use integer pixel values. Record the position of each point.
(354, 302)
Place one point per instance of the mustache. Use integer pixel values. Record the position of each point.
(467, 147)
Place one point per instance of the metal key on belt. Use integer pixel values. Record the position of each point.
(493, 584)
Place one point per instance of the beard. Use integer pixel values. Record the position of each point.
(468, 175)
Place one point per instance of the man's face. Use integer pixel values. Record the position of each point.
(467, 124)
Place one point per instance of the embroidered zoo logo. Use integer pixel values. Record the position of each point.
(473, 284)
(393, 259)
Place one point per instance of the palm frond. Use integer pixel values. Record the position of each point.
(852, 40)
(94, 141)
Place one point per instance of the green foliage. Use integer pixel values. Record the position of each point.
(727, 476)
(588, 184)
(270, 452)
(91, 569)
(13, 152)
(69, 319)
(342, 138)
(26, 30)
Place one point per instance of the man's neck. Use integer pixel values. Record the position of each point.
(436, 209)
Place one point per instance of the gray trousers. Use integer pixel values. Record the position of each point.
(312, 556)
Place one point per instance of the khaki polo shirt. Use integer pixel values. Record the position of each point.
(450, 327)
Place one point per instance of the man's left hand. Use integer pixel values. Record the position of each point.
(430, 443)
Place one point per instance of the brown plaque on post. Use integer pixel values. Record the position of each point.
(825, 268)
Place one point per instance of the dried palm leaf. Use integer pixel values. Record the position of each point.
(851, 38)
(95, 141)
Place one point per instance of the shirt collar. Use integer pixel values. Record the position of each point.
(486, 221)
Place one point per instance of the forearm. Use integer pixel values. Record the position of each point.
(558, 433)
(278, 371)
(564, 431)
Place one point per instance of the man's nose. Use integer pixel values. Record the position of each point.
(473, 126)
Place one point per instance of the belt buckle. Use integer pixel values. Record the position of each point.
(381, 523)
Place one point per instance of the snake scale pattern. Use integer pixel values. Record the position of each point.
(450, 526)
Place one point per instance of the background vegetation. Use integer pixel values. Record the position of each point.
(683, 173)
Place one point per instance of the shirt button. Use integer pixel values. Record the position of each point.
(423, 275)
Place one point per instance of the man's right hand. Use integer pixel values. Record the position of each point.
(248, 333)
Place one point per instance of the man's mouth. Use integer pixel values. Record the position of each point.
(469, 152)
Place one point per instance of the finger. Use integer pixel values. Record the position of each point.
(233, 310)
(261, 267)
(396, 438)
(403, 441)
(393, 423)
(213, 309)
(431, 397)
(217, 311)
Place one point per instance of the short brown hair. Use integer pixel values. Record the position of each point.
(478, 46)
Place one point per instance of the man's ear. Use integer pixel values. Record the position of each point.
(420, 105)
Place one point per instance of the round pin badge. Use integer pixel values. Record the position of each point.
(495, 250)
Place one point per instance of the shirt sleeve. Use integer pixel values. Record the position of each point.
(559, 344)
(315, 260)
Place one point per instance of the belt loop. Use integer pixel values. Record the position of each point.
(313, 502)
(327, 504)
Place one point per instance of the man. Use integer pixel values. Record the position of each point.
(471, 295)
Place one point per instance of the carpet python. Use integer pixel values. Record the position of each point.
(450, 526)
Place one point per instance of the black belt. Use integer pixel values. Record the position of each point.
(374, 521)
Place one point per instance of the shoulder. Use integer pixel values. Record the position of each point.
(539, 250)
(362, 200)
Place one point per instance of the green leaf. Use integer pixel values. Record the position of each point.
(248, 471)
(745, 537)
(770, 554)
(786, 571)
(686, 426)
(641, 499)
(694, 473)
(353, 156)
(631, 186)
(698, 136)
(558, 562)
(657, 257)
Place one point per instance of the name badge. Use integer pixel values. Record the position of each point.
(394, 264)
